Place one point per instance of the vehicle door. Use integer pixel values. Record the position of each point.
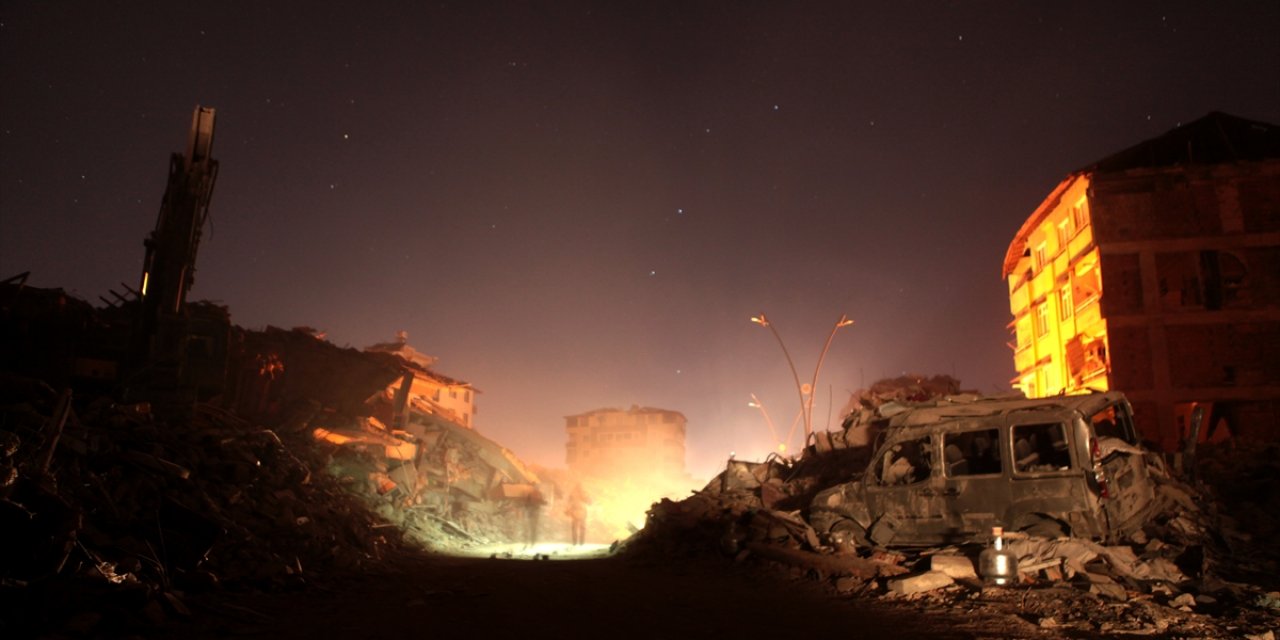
(904, 493)
(1047, 478)
(975, 490)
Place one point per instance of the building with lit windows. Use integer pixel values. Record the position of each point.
(1156, 271)
(638, 442)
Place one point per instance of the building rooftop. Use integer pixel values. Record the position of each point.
(1214, 139)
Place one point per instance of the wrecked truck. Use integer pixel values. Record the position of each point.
(1067, 465)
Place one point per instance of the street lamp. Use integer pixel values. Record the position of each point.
(756, 404)
(806, 406)
(773, 430)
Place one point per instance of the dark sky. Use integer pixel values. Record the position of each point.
(580, 205)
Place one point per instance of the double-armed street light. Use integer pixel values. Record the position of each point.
(806, 405)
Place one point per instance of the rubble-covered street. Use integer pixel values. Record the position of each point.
(619, 233)
(125, 523)
(1200, 566)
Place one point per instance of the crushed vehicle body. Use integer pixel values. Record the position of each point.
(1068, 465)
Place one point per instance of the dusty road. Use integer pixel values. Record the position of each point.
(611, 598)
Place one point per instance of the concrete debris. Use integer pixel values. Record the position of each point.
(131, 502)
(1187, 569)
(291, 477)
(927, 581)
(958, 567)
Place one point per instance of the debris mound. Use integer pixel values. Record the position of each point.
(1199, 565)
(117, 507)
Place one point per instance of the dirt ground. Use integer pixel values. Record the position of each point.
(605, 597)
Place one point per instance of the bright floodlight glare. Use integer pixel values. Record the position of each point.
(540, 551)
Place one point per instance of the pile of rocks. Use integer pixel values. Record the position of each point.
(115, 506)
(1183, 572)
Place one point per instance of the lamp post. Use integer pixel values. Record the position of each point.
(783, 445)
(806, 406)
(773, 431)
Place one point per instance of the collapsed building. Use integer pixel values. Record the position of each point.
(396, 438)
(150, 448)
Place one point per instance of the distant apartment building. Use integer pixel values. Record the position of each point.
(1156, 271)
(638, 442)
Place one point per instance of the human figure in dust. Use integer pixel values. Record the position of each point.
(577, 512)
(533, 502)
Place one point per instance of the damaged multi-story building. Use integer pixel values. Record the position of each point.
(640, 441)
(1156, 271)
(432, 392)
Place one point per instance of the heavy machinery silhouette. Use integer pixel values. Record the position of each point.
(179, 350)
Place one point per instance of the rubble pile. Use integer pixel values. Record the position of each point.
(115, 506)
(1241, 475)
(446, 498)
(1197, 566)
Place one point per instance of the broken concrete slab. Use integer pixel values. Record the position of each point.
(927, 581)
(958, 567)
(1105, 587)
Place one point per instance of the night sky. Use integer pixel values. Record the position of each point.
(580, 205)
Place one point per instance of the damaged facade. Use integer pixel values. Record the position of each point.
(429, 391)
(1154, 271)
(641, 441)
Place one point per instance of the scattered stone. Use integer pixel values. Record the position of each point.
(887, 557)
(1184, 600)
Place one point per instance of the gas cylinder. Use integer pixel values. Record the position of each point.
(996, 564)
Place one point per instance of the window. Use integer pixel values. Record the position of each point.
(1040, 257)
(1080, 214)
(906, 462)
(971, 453)
(1042, 319)
(1065, 305)
(1040, 447)
(1225, 279)
(1064, 234)
(1087, 284)
(1114, 422)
